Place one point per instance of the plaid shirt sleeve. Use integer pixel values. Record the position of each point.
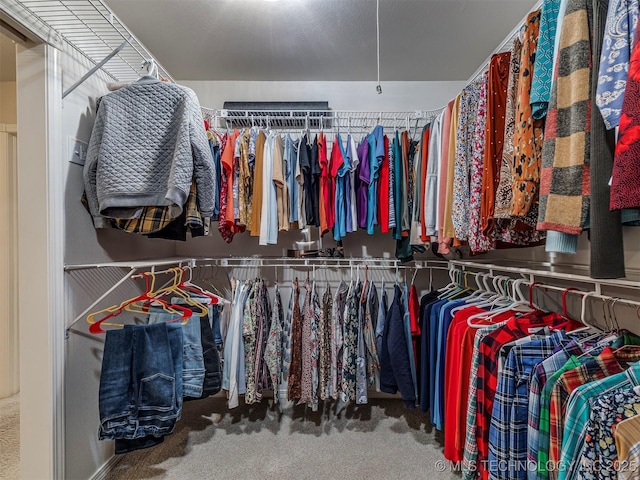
(528, 357)
(151, 220)
(543, 429)
(578, 413)
(487, 384)
(533, 416)
(539, 376)
(470, 458)
(602, 366)
(499, 427)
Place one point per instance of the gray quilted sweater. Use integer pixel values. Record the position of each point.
(147, 143)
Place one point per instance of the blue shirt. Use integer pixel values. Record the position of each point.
(445, 319)
(425, 395)
(618, 41)
(434, 320)
(290, 159)
(340, 226)
(508, 430)
(407, 329)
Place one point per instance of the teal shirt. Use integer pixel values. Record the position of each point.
(578, 413)
(543, 66)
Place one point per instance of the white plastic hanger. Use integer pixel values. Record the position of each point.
(150, 67)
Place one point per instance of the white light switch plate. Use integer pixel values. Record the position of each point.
(77, 151)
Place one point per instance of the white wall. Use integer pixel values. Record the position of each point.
(360, 96)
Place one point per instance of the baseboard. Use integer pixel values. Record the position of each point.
(109, 465)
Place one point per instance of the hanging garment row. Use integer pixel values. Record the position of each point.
(332, 347)
(541, 122)
(526, 393)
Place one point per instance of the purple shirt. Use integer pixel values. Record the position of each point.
(363, 187)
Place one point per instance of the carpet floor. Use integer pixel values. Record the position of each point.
(381, 440)
(10, 438)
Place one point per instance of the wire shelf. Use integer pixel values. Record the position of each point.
(319, 119)
(91, 28)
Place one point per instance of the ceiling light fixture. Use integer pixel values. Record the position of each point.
(378, 87)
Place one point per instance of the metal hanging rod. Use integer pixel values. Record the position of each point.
(235, 262)
(318, 119)
(532, 273)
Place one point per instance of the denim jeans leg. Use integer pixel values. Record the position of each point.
(213, 372)
(157, 377)
(116, 401)
(193, 370)
(214, 315)
(125, 445)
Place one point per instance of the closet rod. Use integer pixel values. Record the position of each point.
(533, 273)
(317, 119)
(266, 261)
(130, 265)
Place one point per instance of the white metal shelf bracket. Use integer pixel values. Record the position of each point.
(97, 67)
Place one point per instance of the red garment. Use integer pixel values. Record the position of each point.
(423, 178)
(324, 184)
(225, 228)
(414, 311)
(227, 166)
(452, 378)
(337, 160)
(625, 180)
(461, 389)
(414, 316)
(383, 182)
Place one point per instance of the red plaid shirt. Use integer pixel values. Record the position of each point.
(487, 379)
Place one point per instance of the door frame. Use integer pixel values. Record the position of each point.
(8, 146)
(41, 261)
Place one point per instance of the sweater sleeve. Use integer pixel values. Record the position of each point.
(91, 169)
(203, 165)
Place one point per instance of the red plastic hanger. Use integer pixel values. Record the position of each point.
(114, 311)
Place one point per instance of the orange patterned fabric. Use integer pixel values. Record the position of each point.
(528, 134)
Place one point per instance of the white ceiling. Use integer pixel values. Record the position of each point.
(321, 39)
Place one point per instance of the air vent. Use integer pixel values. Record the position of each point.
(284, 115)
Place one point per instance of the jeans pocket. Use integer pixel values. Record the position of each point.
(157, 392)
